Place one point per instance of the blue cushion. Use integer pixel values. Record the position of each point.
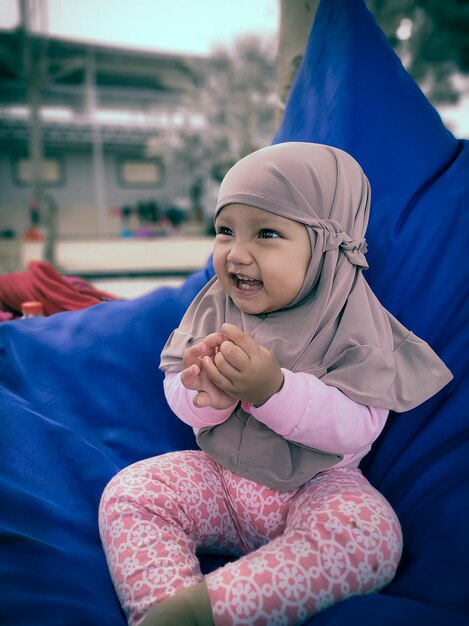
(80, 398)
(353, 92)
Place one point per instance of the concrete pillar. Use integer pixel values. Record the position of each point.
(96, 144)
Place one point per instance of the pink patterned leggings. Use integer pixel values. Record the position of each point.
(304, 550)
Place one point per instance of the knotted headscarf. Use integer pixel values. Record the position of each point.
(342, 333)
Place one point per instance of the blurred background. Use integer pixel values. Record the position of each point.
(119, 118)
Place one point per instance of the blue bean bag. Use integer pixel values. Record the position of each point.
(81, 395)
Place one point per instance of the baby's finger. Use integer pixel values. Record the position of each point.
(225, 367)
(234, 355)
(217, 377)
(202, 399)
(190, 377)
(239, 338)
(193, 354)
(211, 342)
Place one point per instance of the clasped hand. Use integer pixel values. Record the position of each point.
(228, 367)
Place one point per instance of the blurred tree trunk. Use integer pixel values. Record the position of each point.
(296, 18)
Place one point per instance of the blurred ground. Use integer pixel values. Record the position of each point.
(128, 288)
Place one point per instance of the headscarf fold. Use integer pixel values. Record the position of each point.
(342, 333)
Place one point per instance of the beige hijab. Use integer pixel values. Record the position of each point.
(335, 329)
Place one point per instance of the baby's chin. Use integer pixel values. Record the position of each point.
(251, 308)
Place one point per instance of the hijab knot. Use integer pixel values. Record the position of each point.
(334, 237)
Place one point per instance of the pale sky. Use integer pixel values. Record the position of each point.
(191, 26)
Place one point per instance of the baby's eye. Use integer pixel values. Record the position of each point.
(224, 230)
(267, 233)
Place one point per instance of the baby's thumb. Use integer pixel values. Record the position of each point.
(201, 400)
(189, 375)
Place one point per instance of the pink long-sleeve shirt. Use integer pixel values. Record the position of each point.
(305, 411)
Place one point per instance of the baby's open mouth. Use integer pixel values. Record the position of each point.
(245, 282)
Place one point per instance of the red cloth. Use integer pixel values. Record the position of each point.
(43, 282)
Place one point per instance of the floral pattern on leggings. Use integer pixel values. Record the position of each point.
(301, 550)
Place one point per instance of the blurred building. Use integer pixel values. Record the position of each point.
(98, 118)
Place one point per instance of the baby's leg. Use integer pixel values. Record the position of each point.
(341, 538)
(153, 516)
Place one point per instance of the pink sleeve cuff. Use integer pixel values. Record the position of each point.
(309, 412)
(180, 399)
(284, 409)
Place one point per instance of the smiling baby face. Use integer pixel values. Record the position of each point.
(260, 258)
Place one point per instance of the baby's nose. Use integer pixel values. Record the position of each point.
(239, 253)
